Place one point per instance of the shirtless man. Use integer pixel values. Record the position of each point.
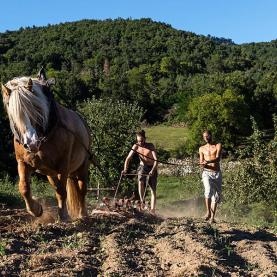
(209, 159)
(148, 166)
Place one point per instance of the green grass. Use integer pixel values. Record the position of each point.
(41, 188)
(166, 137)
(9, 194)
(179, 196)
(183, 195)
(254, 214)
(173, 189)
(3, 245)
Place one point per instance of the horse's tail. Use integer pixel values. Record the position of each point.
(73, 199)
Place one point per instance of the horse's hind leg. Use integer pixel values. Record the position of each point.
(82, 184)
(76, 191)
(59, 184)
(33, 207)
(74, 200)
(82, 177)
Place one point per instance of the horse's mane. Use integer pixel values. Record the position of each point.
(26, 106)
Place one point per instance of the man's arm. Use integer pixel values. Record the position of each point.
(128, 159)
(201, 157)
(154, 154)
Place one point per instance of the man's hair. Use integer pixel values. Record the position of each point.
(207, 132)
(141, 133)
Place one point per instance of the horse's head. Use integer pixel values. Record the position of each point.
(28, 110)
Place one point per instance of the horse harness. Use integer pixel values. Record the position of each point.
(53, 120)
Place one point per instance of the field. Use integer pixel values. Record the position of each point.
(166, 137)
(177, 242)
(139, 246)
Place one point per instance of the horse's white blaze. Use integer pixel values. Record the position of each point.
(30, 137)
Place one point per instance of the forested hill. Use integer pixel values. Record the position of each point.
(174, 75)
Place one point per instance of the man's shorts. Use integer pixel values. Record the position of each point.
(145, 169)
(212, 181)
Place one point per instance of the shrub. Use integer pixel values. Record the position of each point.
(113, 125)
(255, 177)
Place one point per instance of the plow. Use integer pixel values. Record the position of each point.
(123, 207)
(120, 207)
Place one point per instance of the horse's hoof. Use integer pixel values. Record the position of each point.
(40, 212)
(35, 213)
(83, 214)
(83, 218)
(64, 218)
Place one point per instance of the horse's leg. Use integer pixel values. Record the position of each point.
(82, 177)
(83, 191)
(24, 172)
(59, 184)
(82, 184)
(76, 191)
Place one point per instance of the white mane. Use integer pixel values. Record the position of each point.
(27, 107)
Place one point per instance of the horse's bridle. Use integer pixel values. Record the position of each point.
(43, 135)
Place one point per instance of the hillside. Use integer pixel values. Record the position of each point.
(136, 60)
(139, 246)
(174, 76)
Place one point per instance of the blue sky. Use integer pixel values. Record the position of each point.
(240, 20)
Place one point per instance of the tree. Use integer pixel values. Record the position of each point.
(224, 115)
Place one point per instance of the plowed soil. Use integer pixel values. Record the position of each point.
(139, 245)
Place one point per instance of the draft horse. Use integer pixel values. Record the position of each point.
(49, 139)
